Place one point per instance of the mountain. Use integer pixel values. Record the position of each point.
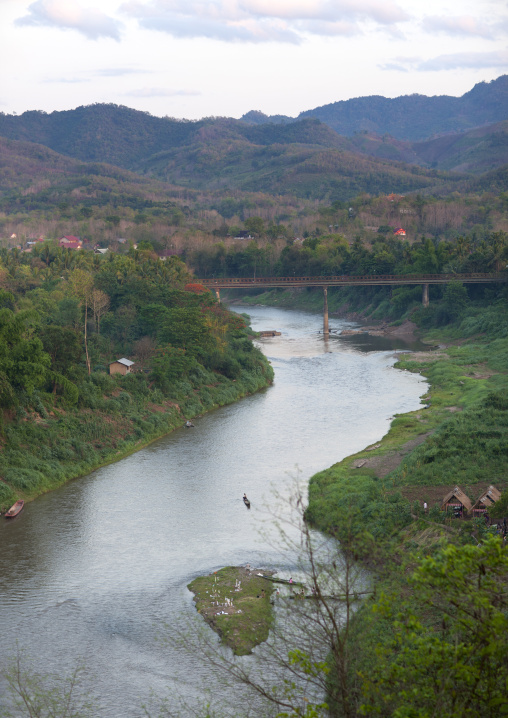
(478, 150)
(475, 151)
(304, 157)
(255, 117)
(217, 158)
(99, 133)
(35, 177)
(417, 117)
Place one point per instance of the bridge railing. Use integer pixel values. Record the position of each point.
(398, 278)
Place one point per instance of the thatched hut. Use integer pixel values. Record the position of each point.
(456, 502)
(485, 501)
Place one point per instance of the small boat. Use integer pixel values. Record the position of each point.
(14, 510)
(281, 580)
(246, 501)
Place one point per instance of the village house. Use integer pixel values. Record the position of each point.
(400, 232)
(120, 366)
(70, 242)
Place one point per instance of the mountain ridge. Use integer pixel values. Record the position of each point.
(409, 117)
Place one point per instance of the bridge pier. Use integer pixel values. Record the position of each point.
(425, 295)
(326, 330)
(217, 294)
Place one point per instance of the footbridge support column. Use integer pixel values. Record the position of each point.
(326, 330)
(217, 294)
(425, 295)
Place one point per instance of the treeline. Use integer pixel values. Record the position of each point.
(332, 255)
(64, 316)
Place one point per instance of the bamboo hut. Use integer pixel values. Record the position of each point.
(485, 501)
(457, 503)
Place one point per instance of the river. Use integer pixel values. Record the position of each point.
(97, 570)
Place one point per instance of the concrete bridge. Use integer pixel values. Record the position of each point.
(216, 284)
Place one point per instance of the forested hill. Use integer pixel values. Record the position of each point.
(417, 117)
(122, 136)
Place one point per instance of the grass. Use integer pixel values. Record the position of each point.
(459, 438)
(246, 623)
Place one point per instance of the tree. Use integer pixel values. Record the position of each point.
(100, 302)
(454, 665)
(35, 695)
(23, 361)
(62, 345)
(82, 284)
(455, 299)
(304, 666)
(255, 225)
(170, 364)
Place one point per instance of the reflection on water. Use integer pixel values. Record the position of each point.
(98, 569)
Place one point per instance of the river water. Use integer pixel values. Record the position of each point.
(97, 570)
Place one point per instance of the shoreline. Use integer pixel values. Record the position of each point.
(168, 417)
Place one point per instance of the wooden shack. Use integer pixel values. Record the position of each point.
(485, 501)
(120, 366)
(457, 503)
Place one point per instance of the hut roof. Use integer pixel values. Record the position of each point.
(125, 362)
(460, 497)
(488, 497)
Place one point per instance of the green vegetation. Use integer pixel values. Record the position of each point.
(423, 645)
(62, 323)
(244, 624)
(311, 202)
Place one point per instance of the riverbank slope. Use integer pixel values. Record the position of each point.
(46, 448)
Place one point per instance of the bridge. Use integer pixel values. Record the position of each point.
(216, 284)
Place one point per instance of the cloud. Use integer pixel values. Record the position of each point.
(120, 72)
(89, 75)
(68, 15)
(454, 61)
(384, 13)
(66, 80)
(161, 92)
(466, 60)
(463, 26)
(263, 20)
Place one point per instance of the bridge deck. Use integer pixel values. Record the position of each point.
(365, 280)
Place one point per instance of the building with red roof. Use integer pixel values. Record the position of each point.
(70, 242)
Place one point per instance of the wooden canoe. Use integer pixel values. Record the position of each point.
(14, 510)
(281, 580)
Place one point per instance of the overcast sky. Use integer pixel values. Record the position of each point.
(196, 58)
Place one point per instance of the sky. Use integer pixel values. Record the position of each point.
(201, 58)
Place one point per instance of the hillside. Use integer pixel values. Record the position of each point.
(417, 117)
(305, 159)
(479, 150)
(31, 170)
(305, 170)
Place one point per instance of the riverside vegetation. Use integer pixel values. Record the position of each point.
(431, 639)
(64, 318)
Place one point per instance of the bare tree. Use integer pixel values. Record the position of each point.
(82, 284)
(35, 695)
(100, 304)
(304, 669)
(144, 348)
